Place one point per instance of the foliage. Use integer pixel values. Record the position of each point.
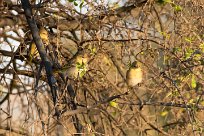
(90, 46)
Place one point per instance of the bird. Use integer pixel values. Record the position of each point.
(77, 69)
(134, 75)
(33, 52)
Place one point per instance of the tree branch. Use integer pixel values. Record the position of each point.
(40, 47)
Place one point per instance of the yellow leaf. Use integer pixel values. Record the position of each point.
(191, 101)
(164, 113)
(193, 82)
(201, 46)
(113, 104)
(169, 94)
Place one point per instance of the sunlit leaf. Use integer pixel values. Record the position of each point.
(201, 46)
(92, 50)
(177, 8)
(82, 73)
(164, 113)
(165, 35)
(168, 1)
(188, 53)
(190, 40)
(169, 94)
(193, 82)
(191, 101)
(175, 93)
(81, 68)
(197, 57)
(113, 104)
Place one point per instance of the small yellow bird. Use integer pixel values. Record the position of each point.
(79, 68)
(33, 52)
(134, 75)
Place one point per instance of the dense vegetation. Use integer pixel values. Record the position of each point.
(64, 63)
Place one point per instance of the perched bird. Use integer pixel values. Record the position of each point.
(33, 52)
(78, 69)
(134, 75)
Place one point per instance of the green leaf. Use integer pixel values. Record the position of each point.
(80, 6)
(71, 0)
(114, 113)
(82, 73)
(197, 57)
(75, 3)
(160, 1)
(177, 8)
(188, 39)
(92, 50)
(188, 53)
(81, 68)
(193, 82)
(202, 62)
(80, 65)
(177, 49)
(165, 35)
(175, 93)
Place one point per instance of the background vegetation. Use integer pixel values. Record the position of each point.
(77, 82)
